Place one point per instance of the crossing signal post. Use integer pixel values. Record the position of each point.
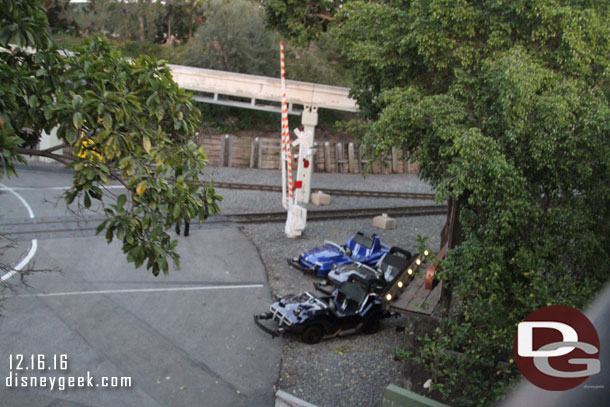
(296, 219)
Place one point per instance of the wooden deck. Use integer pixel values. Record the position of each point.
(415, 299)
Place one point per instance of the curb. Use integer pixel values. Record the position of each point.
(283, 399)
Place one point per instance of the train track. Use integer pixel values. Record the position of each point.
(24, 229)
(331, 191)
(337, 214)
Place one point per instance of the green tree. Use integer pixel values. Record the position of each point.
(192, 14)
(181, 16)
(123, 120)
(301, 20)
(233, 38)
(505, 106)
(141, 20)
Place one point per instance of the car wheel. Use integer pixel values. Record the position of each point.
(312, 334)
(372, 326)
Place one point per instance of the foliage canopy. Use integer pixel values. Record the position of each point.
(234, 38)
(144, 20)
(129, 114)
(505, 106)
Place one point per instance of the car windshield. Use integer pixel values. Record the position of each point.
(364, 240)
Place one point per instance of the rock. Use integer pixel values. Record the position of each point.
(384, 222)
(320, 198)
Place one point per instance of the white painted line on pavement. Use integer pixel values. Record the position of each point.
(5, 188)
(144, 290)
(34, 245)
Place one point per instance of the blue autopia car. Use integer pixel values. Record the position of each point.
(365, 248)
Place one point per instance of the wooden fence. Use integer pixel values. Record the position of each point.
(257, 152)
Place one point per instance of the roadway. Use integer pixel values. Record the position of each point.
(186, 339)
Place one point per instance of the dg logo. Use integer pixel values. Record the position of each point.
(557, 348)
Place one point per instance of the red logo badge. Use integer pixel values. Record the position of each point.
(557, 348)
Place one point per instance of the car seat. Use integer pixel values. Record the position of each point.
(348, 297)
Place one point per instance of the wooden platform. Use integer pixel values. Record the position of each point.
(415, 299)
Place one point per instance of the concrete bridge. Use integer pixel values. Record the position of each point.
(262, 93)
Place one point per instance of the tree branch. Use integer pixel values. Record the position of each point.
(322, 16)
(44, 153)
(54, 148)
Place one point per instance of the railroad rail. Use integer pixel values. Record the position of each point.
(331, 191)
(25, 229)
(337, 214)
(276, 188)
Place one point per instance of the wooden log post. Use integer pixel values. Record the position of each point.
(259, 157)
(225, 150)
(255, 153)
(340, 157)
(326, 156)
(351, 159)
(395, 162)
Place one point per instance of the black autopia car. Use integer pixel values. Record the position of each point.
(349, 309)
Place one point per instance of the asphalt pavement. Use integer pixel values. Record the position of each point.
(182, 340)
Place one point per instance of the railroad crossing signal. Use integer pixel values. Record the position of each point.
(304, 170)
(296, 219)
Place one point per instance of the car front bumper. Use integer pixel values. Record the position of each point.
(300, 266)
(265, 316)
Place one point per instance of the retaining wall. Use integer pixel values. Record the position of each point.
(330, 156)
